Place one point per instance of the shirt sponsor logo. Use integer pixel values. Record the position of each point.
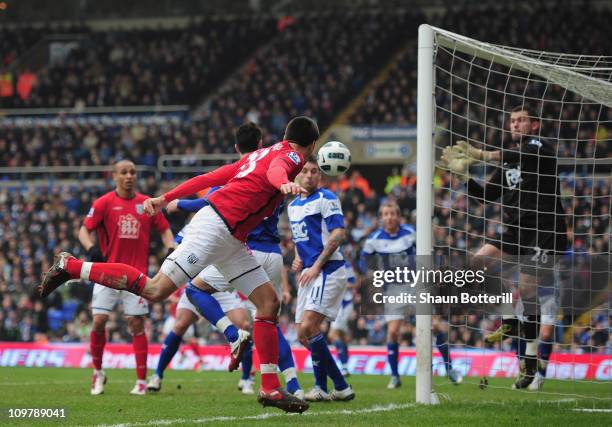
(535, 142)
(295, 158)
(513, 177)
(299, 231)
(129, 227)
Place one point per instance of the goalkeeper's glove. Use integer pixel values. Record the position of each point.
(472, 152)
(95, 254)
(457, 162)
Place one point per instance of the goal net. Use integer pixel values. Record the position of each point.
(532, 212)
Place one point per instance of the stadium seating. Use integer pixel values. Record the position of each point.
(146, 67)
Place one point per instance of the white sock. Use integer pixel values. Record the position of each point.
(531, 348)
(268, 368)
(223, 323)
(289, 374)
(85, 270)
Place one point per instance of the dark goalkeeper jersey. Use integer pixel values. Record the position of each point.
(527, 186)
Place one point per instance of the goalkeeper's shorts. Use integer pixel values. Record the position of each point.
(535, 251)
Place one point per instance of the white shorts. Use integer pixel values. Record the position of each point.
(227, 300)
(169, 325)
(549, 306)
(272, 264)
(105, 299)
(392, 317)
(323, 295)
(208, 242)
(344, 315)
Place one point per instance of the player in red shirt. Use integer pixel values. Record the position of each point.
(252, 189)
(118, 222)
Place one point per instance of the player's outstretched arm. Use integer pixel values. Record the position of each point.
(476, 153)
(219, 176)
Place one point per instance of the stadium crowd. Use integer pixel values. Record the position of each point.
(306, 68)
(38, 222)
(143, 67)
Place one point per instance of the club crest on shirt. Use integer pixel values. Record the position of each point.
(192, 259)
(294, 157)
(139, 209)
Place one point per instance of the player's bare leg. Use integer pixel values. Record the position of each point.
(265, 336)
(97, 343)
(310, 336)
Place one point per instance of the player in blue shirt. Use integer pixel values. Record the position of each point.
(317, 228)
(392, 246)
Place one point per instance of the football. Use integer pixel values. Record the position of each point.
(334, 158)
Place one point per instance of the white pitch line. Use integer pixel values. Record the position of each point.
(373, 409)
(593, 410)
(118, 381)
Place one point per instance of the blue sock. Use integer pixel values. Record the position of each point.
(333, 372)
(169, 349)
(544, 349)
(442, 344)
(285, 361)
(210, 309)
(247, 361)
(342, 351)
(392, 357)
(317, 346)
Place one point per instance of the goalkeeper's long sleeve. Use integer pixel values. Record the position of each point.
(490, 192)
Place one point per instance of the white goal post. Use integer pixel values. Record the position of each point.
(579, 84)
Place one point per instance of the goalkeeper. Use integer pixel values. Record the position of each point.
(526, 185)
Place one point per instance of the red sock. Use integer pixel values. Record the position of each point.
(265, 338)
(193, 344)
(112, 275)
(141, 349)
(97, 341)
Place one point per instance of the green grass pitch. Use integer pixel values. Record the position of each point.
(211, 398)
